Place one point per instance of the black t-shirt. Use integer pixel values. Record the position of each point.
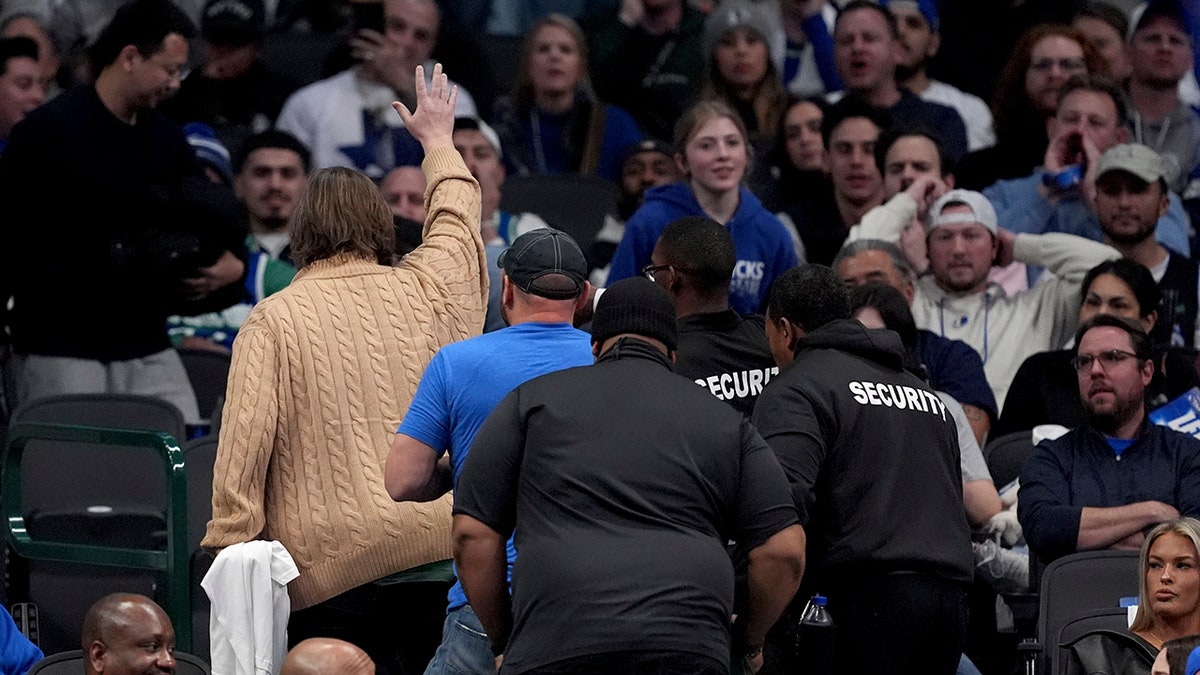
(623, 482)
(727, 354)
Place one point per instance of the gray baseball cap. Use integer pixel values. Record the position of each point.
(1133, 158)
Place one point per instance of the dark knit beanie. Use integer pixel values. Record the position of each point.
(635, 305)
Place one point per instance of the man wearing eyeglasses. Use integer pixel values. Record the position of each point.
(1060, 196)
(140, 233)
(1103, 484)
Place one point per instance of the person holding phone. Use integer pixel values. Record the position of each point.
(347, 119)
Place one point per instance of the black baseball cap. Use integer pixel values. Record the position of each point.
(545, 262)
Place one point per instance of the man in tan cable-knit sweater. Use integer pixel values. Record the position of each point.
(322, 375)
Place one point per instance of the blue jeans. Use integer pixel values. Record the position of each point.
(464, 649)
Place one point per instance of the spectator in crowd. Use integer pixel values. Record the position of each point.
(21, 89)
(712, 153)
(917, 21)
(958, 301)
(479, 144)
(850, 131)
(231, 88)
(322, 656)
(480, 147)
(1131, 199)
(404, 190)
(127, 633)
(723, 351)
(642, 583)
(1073, 496)
(832, 415)
(1044, 58)
(867, 49)
(951, 366)
(329, 366)
(648, 163)
(544, 282)
(1168, 605)
(215, 331)
(796, 163)
(553, 122)
(1160, 56)
(1060, 196)
(1105, 26)
(740, 41)
(808, 67)
(147, 230)
(346, 120)
(22, 24)
(1045, 389)
(270, 173)
(649, 60)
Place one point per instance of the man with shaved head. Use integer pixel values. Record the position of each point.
(324, 656)
(128, 634)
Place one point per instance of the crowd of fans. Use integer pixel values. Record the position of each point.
(300, 185)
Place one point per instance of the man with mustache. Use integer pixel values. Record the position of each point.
(1131, 198)
(1103, 484)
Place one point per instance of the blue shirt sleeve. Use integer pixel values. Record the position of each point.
(428, 417)
(817, 32)
(1050, 522)
(17, 653)
(1174, 228)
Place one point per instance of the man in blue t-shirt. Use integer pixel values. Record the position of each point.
(543, 284)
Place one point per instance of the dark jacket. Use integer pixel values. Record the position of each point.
(872, 456)
(1110, 652)
(1080, 469)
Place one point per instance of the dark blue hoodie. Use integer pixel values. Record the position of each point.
(764, 247)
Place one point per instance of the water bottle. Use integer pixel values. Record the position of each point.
(814, 639)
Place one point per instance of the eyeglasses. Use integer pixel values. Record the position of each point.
(650, 270)
(1111, 357)
(1065, 65)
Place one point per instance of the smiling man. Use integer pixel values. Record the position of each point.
(1073, 495)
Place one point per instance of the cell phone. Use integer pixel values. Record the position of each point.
(368, 15)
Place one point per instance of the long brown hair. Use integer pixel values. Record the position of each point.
(342, 212)
(769, 100)
(1010, 104)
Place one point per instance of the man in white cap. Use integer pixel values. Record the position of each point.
(1131, 197)
(956, 300)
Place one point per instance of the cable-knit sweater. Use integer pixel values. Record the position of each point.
(323, 372)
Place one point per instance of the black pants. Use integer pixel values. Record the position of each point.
(634, 663)
(894, 623)
(399, 625)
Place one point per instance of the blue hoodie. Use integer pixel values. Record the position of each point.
(764, 247)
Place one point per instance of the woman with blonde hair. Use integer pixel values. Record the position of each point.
(713, 153)
(553, 122)
(1168, 605)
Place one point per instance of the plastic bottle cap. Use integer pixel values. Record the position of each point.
(820, 600)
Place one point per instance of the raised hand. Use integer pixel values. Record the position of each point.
(432, 123)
